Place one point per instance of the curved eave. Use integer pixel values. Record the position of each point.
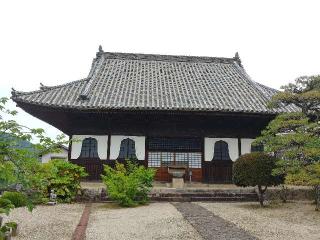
(178, 111)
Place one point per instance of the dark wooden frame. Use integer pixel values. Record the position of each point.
(151, 123)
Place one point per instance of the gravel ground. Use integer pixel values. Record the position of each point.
(209, 225)
(295, 220)
(47, 222)
(154, 221)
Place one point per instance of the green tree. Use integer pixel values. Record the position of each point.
(255, 169)
(304, 93)
(19, 164)
(295, 137)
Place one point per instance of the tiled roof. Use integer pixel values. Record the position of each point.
(123, 81)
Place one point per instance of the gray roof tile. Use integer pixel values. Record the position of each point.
(159, 82)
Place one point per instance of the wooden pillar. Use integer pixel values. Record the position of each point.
(239, 146)
(108, 150)
(69, 148)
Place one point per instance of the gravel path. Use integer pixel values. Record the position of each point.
(47, 222)
(154, 221)
(290, 221)
(210, 226)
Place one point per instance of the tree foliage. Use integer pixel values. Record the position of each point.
(304, 93)
(128, 185)
(255, 169)
(295, 137)
(19, 160)
(64, 178)
(20, 164)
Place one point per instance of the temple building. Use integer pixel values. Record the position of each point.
(197, 112)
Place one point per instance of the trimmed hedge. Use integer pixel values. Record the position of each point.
(255, 169)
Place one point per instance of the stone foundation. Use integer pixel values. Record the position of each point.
(177, 183)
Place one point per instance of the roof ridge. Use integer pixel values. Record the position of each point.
(249, 79)
(169, 58)
(96, 67)
(45, 88)
(264, 86)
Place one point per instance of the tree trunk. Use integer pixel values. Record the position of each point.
(284, 193)
(261, 194)
(317, 197)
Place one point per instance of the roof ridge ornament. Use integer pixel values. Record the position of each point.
(237, 59)
(43, 87)
(100, 51)
(13, 92)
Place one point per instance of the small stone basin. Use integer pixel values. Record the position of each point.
(177, 171)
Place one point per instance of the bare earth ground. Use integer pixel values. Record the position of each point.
(47, 222)
(154, 221)
(294, 220)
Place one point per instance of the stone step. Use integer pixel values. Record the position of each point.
(204, 199)
(199, 191)
(187, 197)
(221, 194)
(179, 195)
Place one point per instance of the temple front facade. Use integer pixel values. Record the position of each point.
(198, 112)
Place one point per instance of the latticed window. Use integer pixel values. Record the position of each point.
(164, 159)
(257, 148)
(89, 148)
(127, 149)
(164, 152)
(221, 151)
(175, 144)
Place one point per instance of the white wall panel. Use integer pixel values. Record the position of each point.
(209, 147)
(102, 145)
(246, 145)
(116, 142)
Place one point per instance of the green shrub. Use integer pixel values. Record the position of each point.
(255, 169)
(12, 225)
(308, 175)
(128, 185)
(5, 205)
(18, 199)
(64, 178)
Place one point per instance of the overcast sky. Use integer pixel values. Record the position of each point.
(55, 42)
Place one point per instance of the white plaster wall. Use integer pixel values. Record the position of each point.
(47, 157)
(246, 145)
(209, 147)
(102, 145)
(116, 142)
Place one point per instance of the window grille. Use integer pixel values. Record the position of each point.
(164, 159)
(174, 144)
(89, 148)
(221, 151)
(257, 148)
(194, 159)
(127, 149)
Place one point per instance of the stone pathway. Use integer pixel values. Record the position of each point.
(210, 226)
(80, 231)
